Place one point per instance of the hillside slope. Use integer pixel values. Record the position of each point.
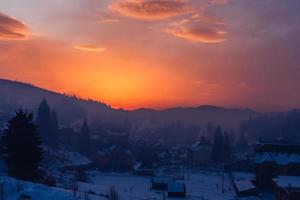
(72, 110)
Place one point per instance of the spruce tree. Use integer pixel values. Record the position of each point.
(217, 150)
(22, 142)
(83, 140)
(54, 120)
(227, 148)
(55, 136)
(47, 125)
(44, 120)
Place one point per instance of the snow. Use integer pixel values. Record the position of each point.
(249, 198)
(288, 181)
(137, 166)
(295, 158)
(244, 185)
(74, 158)
(243, 176)
(279, 158)
(13, 189)
(130, 187)
(200, 185)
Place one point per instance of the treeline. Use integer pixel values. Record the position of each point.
(24, 136)
(283, 125)
(222, 147)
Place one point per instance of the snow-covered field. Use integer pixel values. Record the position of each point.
(203, 186)
(200, 186)
(12, 189)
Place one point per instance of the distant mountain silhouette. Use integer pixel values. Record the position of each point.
(72, 110)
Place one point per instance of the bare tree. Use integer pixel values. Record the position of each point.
(112, 193)
(86, 196)
(1, 191)
(74, 187)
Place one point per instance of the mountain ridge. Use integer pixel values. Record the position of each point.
(72, 109)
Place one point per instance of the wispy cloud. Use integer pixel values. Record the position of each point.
(150, 9)
(219, 2)
(91, 48)
(12, 29)
(107, 21)
(198, 28)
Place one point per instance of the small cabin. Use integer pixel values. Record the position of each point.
(160, 183)
(245, 188)
(139, 170)
(274, 160)
(287, 187)
(176, 190)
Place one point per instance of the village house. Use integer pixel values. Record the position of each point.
(287, 187)
(140, 170)
(273, 160)
(176, 190)
(200, 154)
(160, 183)
(116, 158)
(117, 137)
(245, 188)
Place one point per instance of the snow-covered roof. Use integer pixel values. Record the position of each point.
(74, 158)
(288, 181)
(111, 149)
(278, 158)
(162, 179)
(244, 185)
(128, 152)
(176, 187)
(137, 166)
(249, 198)
(162, 155)
(243, 176)
(197, 146)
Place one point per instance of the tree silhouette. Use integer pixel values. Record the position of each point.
(226, 148)
(48, 124)
(55, 136)
(54, 120)
(83, 140)
(22, 146)
(217, 150)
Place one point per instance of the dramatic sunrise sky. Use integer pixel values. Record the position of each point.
(157, 53)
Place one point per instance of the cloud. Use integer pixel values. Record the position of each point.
(198, 29)
(12, 29)
(221, 2)
(107, 21)
(150, 9)
(91, 48)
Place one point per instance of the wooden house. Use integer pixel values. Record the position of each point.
(287, 187)
(273, 160)
(176, 190)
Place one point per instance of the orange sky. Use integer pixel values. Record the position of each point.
(156, 53)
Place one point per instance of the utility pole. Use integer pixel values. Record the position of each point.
(223, 190)
(164, 187)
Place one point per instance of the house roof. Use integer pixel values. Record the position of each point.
(278, 158)
(244, 185)
(176, 187)
(292, 182)
(162, 179)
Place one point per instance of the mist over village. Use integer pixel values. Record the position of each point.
(149, 100)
